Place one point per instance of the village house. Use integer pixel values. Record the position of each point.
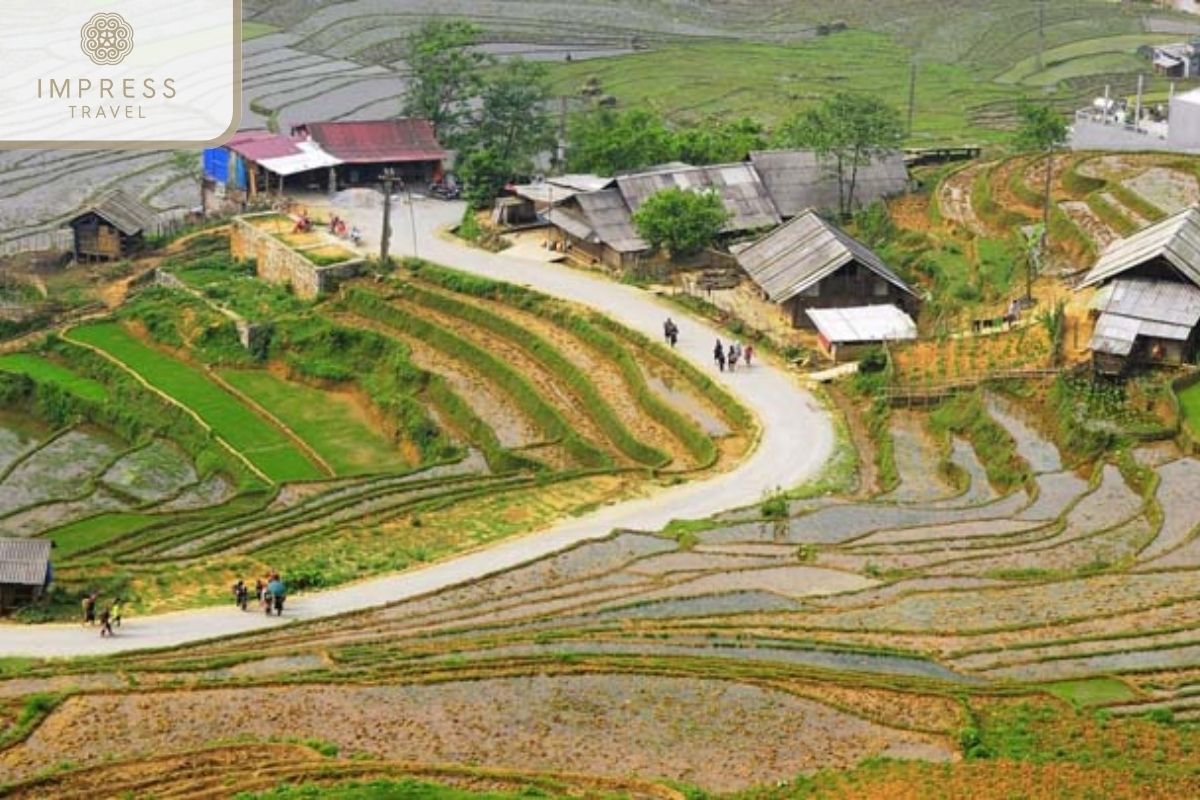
(257, 163)
(809, 263)
(844, 333)
(1174, 60)
(25, 571)
(364, 150)
(112, 228)
(797, 180)
(599, 224)
(319, 156)
(1147, 307)
(598, 227)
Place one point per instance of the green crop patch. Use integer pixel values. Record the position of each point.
(330, 423)
(94, 531)
(1092, 692)
(43, 370)
(266, 446)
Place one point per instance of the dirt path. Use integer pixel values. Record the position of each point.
(795, 442)
(954, 198)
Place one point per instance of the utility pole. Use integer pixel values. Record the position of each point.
(389, 182)
(912, 95)
(1041, 43)
(412, 218)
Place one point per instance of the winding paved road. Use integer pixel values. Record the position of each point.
(797, 438)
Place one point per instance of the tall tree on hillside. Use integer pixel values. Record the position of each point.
(605, 141)
(446, 72)
(850, 130)
(507, 131)
(680, 220)
(1043, 130)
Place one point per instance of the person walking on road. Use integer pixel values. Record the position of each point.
(670, 332)
(719, 356)
(106, 622)
(276, 592)
(89, 609)
(115, 612)
(734, 353)
(749, 354)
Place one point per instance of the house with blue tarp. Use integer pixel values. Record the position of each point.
(322, 156)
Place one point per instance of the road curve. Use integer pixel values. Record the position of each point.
(797, 438)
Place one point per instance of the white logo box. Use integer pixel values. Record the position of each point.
(179, 85)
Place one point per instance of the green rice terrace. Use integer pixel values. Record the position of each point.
(992, 597)
(1016, 617)
(406, 419)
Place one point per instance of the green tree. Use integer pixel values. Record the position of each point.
(849, 130)
(1042, 130)
(605, 141)
(683, 221)
(512, 118)
(509, 128)
(716, 142)
(484, 173)
(446, 72)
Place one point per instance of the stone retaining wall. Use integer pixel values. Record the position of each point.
(276, 262)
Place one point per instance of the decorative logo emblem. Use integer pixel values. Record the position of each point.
(106, 39)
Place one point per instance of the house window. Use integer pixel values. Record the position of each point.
(879, 288)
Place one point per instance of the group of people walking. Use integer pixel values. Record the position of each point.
(109, 616)
(270, 592)
(728, 357)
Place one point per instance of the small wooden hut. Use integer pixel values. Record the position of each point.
(1147, 305)
(24, 571)
(112, 228)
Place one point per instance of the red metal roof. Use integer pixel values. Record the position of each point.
(376, 141)
(257, 145)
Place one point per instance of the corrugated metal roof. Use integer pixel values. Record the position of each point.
(259, 145)
(121, 210)
(863, 324)
(802, 252)
(544, 192)
(582, 182)
(607, 215)
(1137, 307)
(1175, 239)
(376, 141)
(571, 224)
(741, 192)
(23, 561)
(798, 179)
(308, 156)
(1172, 302)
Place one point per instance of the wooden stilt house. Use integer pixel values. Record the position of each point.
(112, 228)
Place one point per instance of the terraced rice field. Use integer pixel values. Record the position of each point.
(407, 420)
(265, 445)
(846, 630)
(307, 61)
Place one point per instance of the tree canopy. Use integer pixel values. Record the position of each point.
(509, 129)
(680, 220)
(446, 73)
(848, 129)
(606, 141)
(1041, 128)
